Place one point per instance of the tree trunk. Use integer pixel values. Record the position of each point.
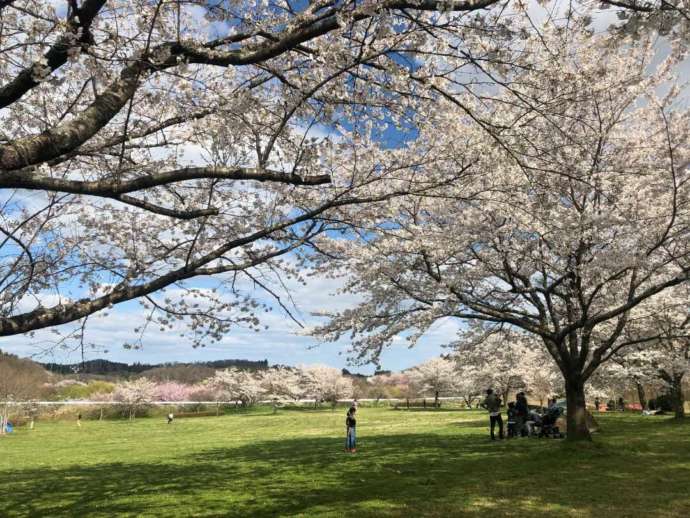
(677, 398)
(641, 395)
(576, 415)
(3, 419)
(436, 399)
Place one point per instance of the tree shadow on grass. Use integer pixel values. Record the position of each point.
(431, 409)
(391, 475)
(476, 423)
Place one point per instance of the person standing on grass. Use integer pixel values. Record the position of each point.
(492, 403)
(351, 425)
(596, 404)
(522, 410)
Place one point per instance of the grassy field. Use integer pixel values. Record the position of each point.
(409, 463)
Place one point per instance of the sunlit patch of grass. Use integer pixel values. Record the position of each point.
(292, 463)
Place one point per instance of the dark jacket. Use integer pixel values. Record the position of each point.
(492, 403)
(521, 407)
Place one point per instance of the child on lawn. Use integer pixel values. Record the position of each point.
(351, 424)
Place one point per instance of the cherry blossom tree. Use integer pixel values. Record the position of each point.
(173, 391)
(436, 376)
(281, 383)
(506, 361)
(493, 361)
(134, 395)
(664, 325)
(103, 101)
(670, 354)
(324, 383)
(573, 213)
(237, 385)
(469, 385)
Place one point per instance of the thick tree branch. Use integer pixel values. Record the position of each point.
(113, 188)
(164, 211)
(57, 55)
(64, 313)
(71, 134)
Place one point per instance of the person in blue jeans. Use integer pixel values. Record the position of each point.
(351, 424)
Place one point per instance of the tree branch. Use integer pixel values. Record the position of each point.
(114, 189)
(57, 55)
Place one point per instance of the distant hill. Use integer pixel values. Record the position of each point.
(107, 367)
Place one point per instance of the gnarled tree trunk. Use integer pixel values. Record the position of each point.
(576, 414)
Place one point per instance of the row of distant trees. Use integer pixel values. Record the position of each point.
(242, 387)
(106, 367)
(509, 361)
(506, 361)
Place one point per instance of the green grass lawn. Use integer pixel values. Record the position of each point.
(409, 463)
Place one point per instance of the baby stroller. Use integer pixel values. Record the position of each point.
(548, 423)
(533, 423)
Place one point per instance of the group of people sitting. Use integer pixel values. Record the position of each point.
(522, 421)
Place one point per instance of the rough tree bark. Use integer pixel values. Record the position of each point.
(576, 414)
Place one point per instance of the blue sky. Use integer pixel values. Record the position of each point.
(281, 343)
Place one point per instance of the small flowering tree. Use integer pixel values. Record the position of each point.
(437, 376)
(664, 323)
(505, 360)
(135, 394)
(469, 384)
(325, 383)
(281, 382)
(237, 385)
(616, 377)
(173, 391)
